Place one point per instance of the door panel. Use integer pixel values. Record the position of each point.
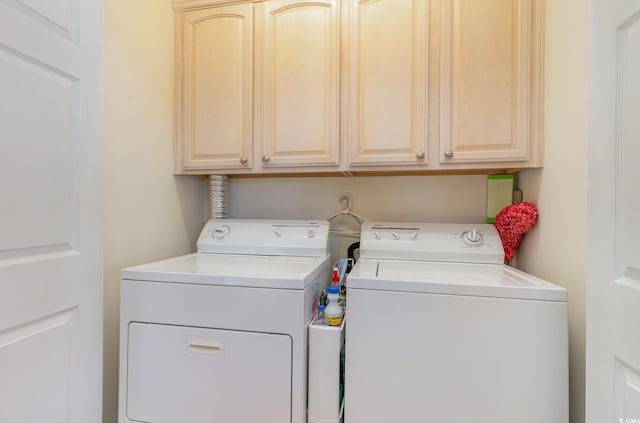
(297, 74)
(613, 295)
(51, 211)
(48, 345)
(626, 288)
(39, 139)
(388, 82)
(628, 147)
(214, 83)
(627, 388)
(57, 17)
(490, 80)
(201, 375)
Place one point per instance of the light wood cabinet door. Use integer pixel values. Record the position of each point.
(214, 89)
(388, 82)
(491, 74)
(297, 82)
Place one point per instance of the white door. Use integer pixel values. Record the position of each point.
(613, 296)
(50, 211)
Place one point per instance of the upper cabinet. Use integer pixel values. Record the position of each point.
(388, 82)
(257, 86)
(214, 88)
(297, 82)
(357, 86)
(490, 81)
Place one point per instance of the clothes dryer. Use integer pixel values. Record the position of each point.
(440, 330)
(220, 336)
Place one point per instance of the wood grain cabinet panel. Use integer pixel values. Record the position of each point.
(297, 82)
(214, 89)
(388, 82)
(490, 92)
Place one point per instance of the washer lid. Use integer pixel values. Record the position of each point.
(280, 272)
(479, 280)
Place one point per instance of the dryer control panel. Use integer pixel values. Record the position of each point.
(265, 237)
(448, 242)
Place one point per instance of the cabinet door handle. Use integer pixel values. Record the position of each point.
(448, 154)
(420, 155)
(243, 160)
(265, 158)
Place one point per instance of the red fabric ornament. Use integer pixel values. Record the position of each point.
(512, 223)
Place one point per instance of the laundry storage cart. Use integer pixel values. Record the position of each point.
(441, 331)
(220, 336)
(326, 372)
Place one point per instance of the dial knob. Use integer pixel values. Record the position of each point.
(311, 233)
(395, 236)
(377, 235)
(243, 160)
(277, 232)
(472, 237)
(221, 231)
(448, 154)
(414, 236)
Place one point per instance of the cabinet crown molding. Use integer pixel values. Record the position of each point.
(182, 5)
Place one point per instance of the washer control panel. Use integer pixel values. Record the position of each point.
(265, 237)
(451, 242)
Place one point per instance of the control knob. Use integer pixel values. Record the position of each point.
(472, 237)
(221, 231)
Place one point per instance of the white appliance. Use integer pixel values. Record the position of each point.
(441, 331)
(220, 336)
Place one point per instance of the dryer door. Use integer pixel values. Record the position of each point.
(198, 375)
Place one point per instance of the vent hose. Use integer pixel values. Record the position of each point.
(218, 193)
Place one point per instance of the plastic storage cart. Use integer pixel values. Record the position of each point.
(326, 344)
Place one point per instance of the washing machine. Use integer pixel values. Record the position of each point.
(220, 336)
(440, 330)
